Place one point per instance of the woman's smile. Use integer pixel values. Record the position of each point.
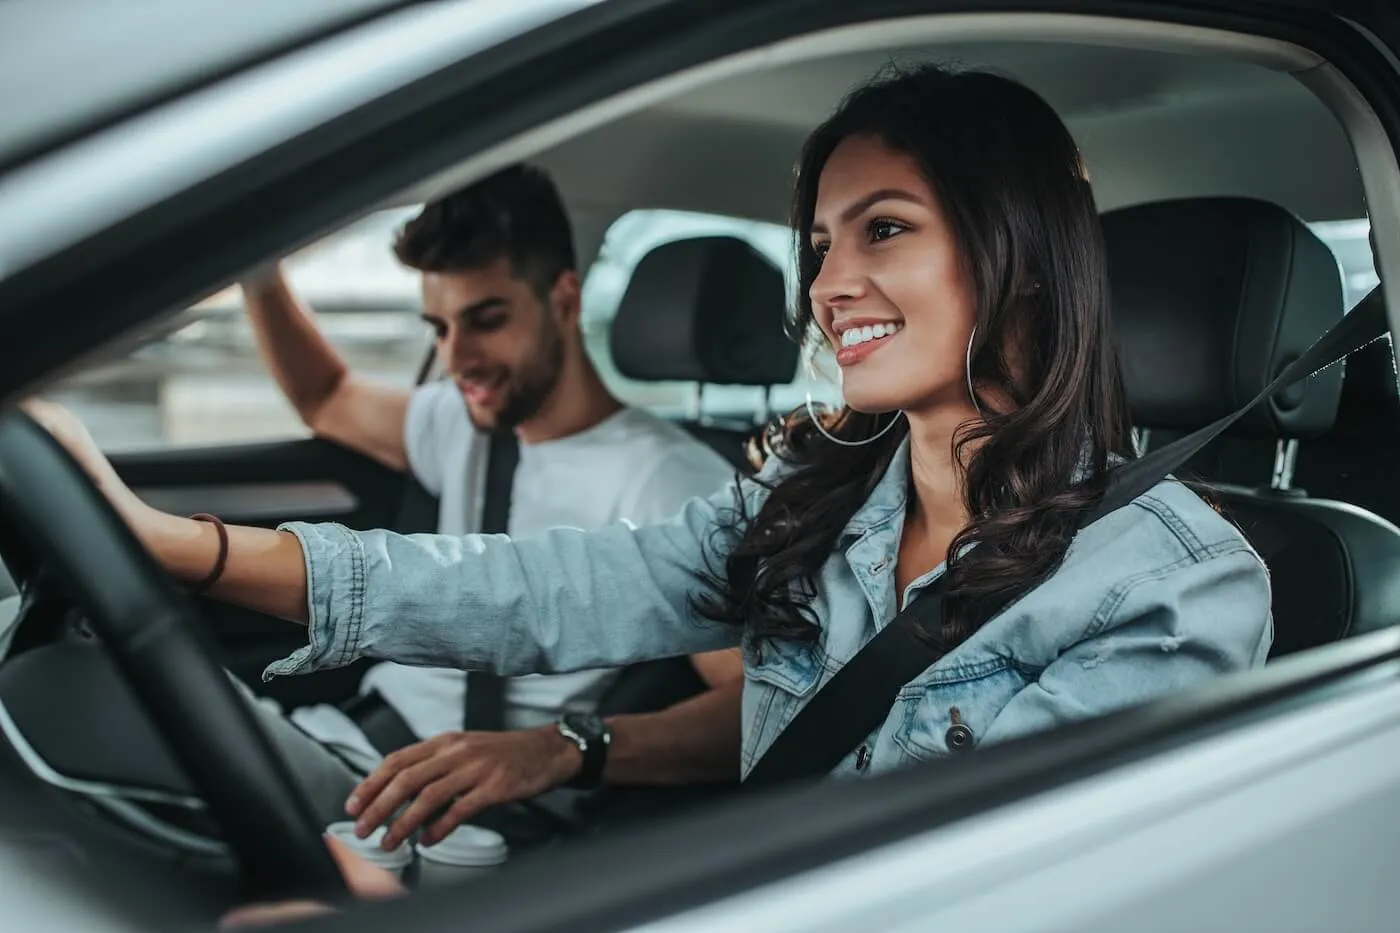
(857, 338)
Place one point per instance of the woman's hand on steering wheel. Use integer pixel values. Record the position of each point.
(78, 518)
(68, 430)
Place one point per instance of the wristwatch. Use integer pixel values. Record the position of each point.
(592, 736)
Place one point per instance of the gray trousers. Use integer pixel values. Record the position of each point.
(325, 778)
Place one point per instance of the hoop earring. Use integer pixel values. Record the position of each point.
(821, 428)
(967, 369)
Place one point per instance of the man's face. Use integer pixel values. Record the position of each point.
(499, 342)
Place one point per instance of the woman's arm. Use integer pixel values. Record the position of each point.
(1172, 632)
(565, 600)
(265, 569)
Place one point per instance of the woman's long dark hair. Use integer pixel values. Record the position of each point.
(1013, 188)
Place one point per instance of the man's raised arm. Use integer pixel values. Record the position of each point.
(331, 400)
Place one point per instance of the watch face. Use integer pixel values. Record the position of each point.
(587, 725)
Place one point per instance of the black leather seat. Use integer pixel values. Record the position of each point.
(708, 310)
(1212, 297)
(1358, 460)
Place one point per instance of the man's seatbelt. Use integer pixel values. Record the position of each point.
(485, 702)
(858, 699)
(418, 508)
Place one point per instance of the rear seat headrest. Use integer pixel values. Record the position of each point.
(707, 309)
(1212, 297)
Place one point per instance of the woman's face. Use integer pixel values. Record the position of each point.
(892, 294)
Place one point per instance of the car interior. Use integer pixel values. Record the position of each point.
(1207, 170)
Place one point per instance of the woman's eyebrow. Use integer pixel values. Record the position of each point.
(863, 204)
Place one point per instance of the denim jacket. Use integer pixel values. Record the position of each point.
(1158, 596)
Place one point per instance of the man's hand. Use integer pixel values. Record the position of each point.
(479, 769)
(365, 881)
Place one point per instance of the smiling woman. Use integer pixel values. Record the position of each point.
(976, 239)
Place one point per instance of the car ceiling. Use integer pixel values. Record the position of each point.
(1152, 126)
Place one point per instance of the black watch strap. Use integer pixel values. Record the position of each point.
(592, 737)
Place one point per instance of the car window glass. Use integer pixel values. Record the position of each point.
(1350, 241)
(203, 383)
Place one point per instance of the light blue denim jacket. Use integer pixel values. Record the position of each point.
(1160, 595)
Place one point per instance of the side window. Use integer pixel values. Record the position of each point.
(631, 237)
(1350, 242)
(199, 380)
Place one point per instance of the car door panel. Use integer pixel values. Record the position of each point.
(264, 484)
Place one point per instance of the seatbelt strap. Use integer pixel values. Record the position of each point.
(858, 699)
(418, 509)
(485, 702)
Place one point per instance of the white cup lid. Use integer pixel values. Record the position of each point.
(467, 847)
(368, 848)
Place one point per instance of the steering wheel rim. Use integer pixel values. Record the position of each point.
(150, 628)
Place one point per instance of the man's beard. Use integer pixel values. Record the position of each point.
(529, 386)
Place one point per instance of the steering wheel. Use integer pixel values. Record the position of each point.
(150, 629)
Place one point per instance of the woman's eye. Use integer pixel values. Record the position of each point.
(884, 229)
(819, 251)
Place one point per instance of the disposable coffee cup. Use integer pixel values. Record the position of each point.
(396, 860)
(466, 852)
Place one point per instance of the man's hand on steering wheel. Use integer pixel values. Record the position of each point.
(478, 769)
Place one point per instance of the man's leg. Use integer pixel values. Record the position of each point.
(326, 779)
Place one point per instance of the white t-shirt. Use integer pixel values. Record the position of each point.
(632, 466)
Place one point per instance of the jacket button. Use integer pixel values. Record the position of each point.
(958, 738)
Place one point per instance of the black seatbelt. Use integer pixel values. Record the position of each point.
(858, 699)
(485, 704)
(418, 508)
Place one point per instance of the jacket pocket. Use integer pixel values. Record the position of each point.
(789, 666)
(951, 716)
(780, 677)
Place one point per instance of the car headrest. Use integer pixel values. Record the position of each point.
(707, 309)
(1212, 297)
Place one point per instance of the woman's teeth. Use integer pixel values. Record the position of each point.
(859, 335)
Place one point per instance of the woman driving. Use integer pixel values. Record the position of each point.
(949, 253)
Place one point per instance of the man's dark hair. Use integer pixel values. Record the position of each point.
(515, 214)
